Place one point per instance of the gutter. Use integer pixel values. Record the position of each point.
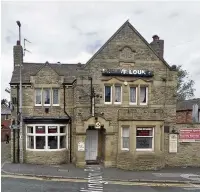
(70, 127)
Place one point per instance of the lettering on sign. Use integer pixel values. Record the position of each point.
(127, 72)
(189, 135)
(173, 142)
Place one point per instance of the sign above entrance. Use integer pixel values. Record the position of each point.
(98, 125)
(127, 72)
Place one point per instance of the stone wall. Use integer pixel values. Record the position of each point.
(47, 157)
(188, 153)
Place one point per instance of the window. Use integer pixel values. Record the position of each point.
(144, 139)
(55, 97)
(6, 117)
(47, 137)
(38, 97)
(108, 94)
(143, 95)
(118, 94)
(47, 97)
(125, 138)
(133, 95)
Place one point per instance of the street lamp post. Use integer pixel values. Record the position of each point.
(20, 101)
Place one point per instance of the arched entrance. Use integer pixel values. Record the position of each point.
(95, 142)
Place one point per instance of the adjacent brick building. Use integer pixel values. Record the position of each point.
(117, 109)
(5, 122)
(188, 127)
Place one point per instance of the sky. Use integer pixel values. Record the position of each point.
(71, 32)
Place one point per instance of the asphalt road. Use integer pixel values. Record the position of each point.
(12, 184)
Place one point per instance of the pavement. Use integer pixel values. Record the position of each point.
(67, 171)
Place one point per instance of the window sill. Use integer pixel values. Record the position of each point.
(143, 104)
(37, 105)
(145, 150)
(135, 104)
(108, 103)
(47, 150)
(125, 149)
(55, 105)
(117, 103)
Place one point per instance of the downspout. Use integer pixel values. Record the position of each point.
(70, 128)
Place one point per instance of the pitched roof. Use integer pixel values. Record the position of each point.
(141, 37)
(187, 104)
(69, 71)
(5, 110)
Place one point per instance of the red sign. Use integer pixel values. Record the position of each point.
(189, 135)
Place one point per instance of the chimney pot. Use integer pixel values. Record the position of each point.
(18, 42)
(155, 37)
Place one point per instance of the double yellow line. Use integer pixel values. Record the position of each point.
(148, 184)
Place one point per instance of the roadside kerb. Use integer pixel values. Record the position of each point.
(105, 179)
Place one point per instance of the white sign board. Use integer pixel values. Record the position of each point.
(173, 142)
(81, 146)
(98, 125)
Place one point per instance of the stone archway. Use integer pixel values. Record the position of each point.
(103, 123)
(100, 126)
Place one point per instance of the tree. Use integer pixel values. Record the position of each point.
(185, 86)
(4, 102)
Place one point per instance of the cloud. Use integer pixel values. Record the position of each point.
(72, 31)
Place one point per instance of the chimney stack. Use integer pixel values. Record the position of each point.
(158, 45)
(17, 54)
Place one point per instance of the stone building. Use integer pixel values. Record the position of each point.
(117, 109)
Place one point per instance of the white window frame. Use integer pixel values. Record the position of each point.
(111, 88)
(146, 95)
(41, 96)
(124, 149)
(121, 94)
(58, 104)
(153, 139)
(50, 95)
(46, 134)
(136, 92)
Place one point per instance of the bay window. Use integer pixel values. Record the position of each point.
(143, 95)
(108, 94)
(133, 96)
(144, 139)
(125, 138)
(118, 94)
(46, 137)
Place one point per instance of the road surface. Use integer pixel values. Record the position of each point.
(11, 183)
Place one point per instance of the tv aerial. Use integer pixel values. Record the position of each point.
(26, 50)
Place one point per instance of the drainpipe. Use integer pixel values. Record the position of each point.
(70, 128)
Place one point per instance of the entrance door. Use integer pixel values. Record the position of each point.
(91, 145)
